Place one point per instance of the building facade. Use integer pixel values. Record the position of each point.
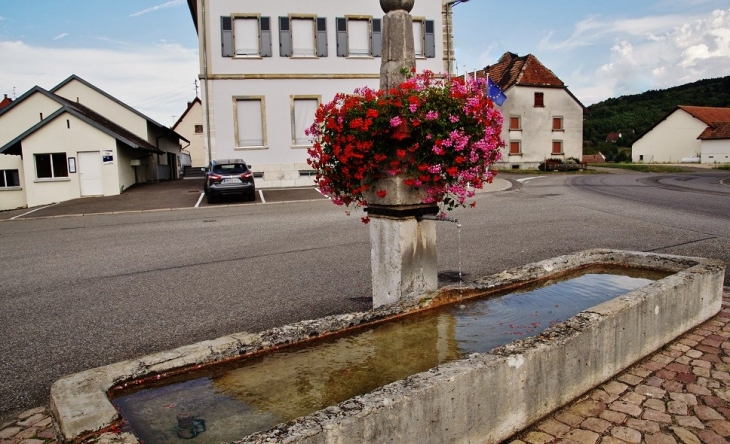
(542, 118)
(75, 141)
(689, 133)
(190, 126)
(266, 66)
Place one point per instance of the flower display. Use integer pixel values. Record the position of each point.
(440, 134)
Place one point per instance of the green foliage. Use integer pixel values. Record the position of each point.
(724, 166)
(633, 115)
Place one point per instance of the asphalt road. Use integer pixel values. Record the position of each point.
(80, 292)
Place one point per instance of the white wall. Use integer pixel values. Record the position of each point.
(186, 128)
(14, 197)
(715, 151)
(76, 91)
(671, 140)
(24, 115)
(537, 134)
(56, 137)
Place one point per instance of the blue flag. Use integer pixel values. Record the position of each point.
(494, 93)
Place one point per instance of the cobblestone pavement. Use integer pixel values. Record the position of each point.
(678, 395)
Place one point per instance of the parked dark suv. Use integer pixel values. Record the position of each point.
(229, 177)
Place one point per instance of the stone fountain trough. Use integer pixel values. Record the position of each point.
(484, 397)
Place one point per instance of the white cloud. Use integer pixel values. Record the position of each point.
(132, 76)
(60, 36)
(169, 4)
(685, 52)
(106, 39)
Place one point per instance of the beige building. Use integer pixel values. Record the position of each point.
(266, 66)
(75, 141)
(688, 133)
(190, 126)
(542, 118)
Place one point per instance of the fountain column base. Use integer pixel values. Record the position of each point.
(402, 255)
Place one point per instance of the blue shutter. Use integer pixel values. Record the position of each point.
(265, 36)
(226, 36)
(376, 38)
(341, 37)
(430, 41)
(321, 37)
(284, 37)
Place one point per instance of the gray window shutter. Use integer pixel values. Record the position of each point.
(430, 41)
(265, 36)
(321, 37)
(341, 37)
(284, 37)
(376, 38)
(226, 36)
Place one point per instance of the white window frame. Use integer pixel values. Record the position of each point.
(237, 130)
(53, 174)
(294, 135)
(4, 174)
(313, 36)
(420, 37)
(368, 35)
(254, 17)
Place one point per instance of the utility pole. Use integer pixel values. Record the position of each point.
(195, 82)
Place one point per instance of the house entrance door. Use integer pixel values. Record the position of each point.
(90, 173)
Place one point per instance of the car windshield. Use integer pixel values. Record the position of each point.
(230, 168)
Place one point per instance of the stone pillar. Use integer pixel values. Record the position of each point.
(403, 245)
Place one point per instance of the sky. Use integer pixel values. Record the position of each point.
(145, 52)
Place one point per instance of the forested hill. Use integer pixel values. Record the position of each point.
(632, 115)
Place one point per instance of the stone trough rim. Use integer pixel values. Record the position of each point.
(82, 409)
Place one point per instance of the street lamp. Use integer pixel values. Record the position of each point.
(449, 11)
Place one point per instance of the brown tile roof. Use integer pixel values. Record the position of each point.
(707, 114)
(512, 69)
(718, 130)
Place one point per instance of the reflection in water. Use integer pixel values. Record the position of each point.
(287, 384)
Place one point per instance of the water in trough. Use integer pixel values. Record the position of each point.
(229, 403)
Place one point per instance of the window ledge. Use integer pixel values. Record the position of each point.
(304, 57)
(11, 188)
(515, 154)
(360, 57)
(301, 147)
(515, 129)
(53, 179)
(556, 130)
(241, 56)
(557, 154)
(237, 148)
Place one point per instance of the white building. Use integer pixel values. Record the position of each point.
(542, 118)
(190, 126)
(688, 132)
(74, 141)
(266, 66)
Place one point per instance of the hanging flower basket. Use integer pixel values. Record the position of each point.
(438, 137)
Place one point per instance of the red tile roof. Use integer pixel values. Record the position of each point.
(512, 69)
(718, 130)
(593, 158)
(707, 114)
